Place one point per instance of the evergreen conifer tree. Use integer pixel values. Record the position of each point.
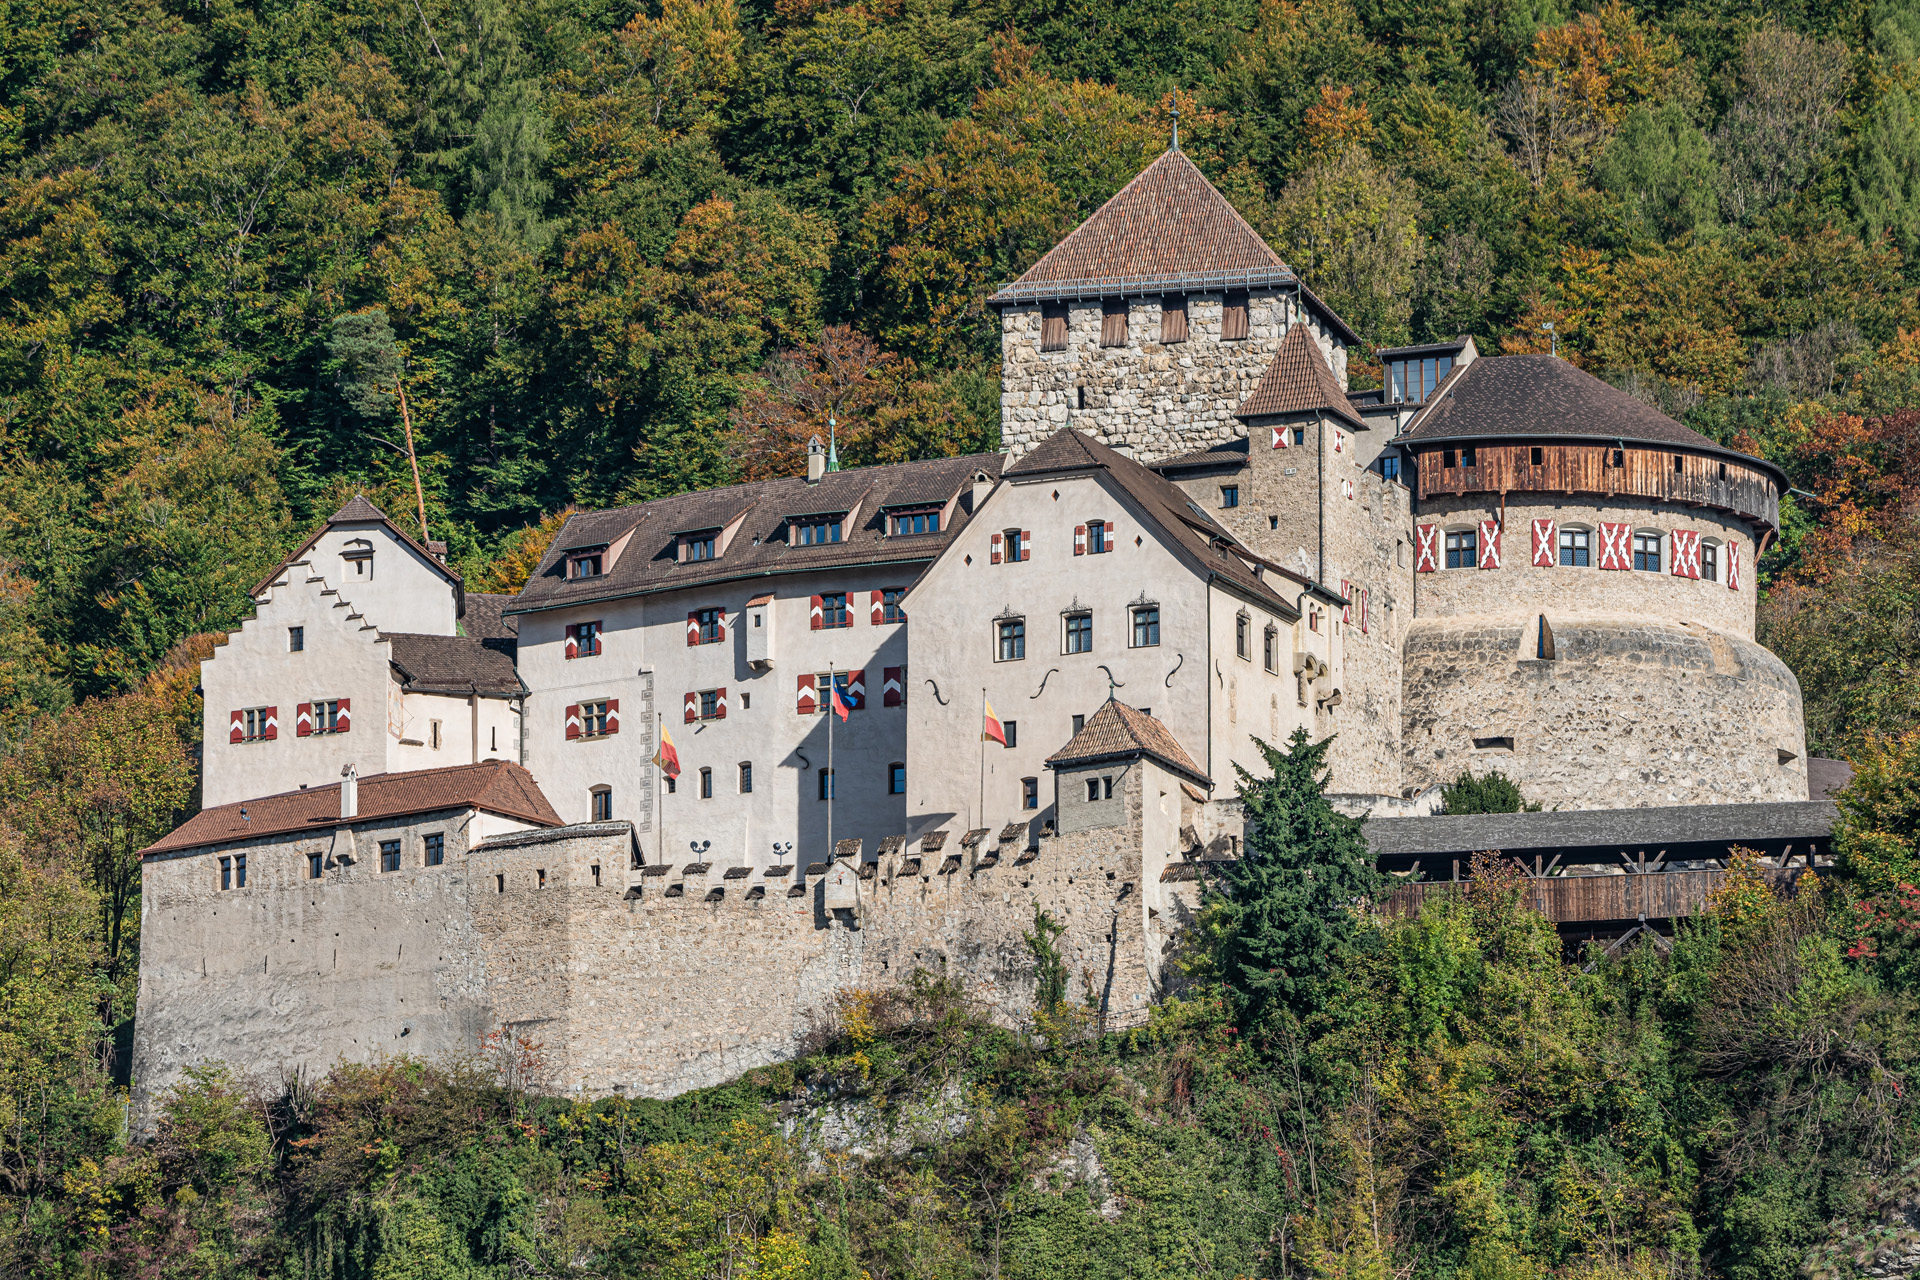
(1292, 900)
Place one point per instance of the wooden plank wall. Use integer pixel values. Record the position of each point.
(1657, 895)
(1647, 473)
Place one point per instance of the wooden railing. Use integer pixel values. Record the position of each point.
(1699, 479)
(1576, 900)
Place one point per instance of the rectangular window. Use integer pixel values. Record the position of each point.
(746, 777)
(1146, 627)
(1616, 457)
(1469, 457)
(709, 703)
(1012, 729)
(389, 855)
(1093, 788)
(226, 874)
(1097, 540)
(1079, 633)
(593, 719)
(1013, 639)
(1390, 466)
(315, 865)
(911, 522)
(1710, 562)
(326, 715)
(1173, 318)
(1449, 459)
(1233, 319)
(433, 734)
(706, 784)
(1462, 549)
(587, 639)
(1012, 537)
(253, 723)
(697, 546)
(436, 849)
(823, 705)
(816, 532)
(1270, 650)
(296, 639)
(826, 784)
(1229, 495)
(1299, 436)
(708, 622)
(896, 779)
(1053, 326)
(890, 610)
(1646, 552)
(1113, 322)
(1079, 723)
(540, 878)
(585, 565)
(240, 871)
(1539, 456)
(1576, 548)
(1242, 641)
(602, 804)
(833, 609)
(1029, 793)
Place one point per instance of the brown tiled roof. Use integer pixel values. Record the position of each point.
(496, 786)
(454, 664)
(1210, 549)
(1228, 453)
(1544, 396)
(486, 617)
(1117, 730)
(650, 563)
(359, 511)
(1299, 380)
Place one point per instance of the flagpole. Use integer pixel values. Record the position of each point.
(659, 798)
(983, 755)
(833, 782)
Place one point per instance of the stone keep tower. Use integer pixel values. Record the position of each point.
(1151, 322)
(1584, 592)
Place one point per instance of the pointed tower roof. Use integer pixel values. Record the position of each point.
(1299, 380)
(1116, 732)
(1167, 230)
(357, 510)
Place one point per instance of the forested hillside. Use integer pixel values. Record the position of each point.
(580, 254)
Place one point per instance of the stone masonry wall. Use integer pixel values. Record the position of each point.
(1630, 712)
(1148, 399)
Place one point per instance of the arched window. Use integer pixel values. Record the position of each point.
(1709, 561)
(746, 777)
(1463, 549)
(602, 804)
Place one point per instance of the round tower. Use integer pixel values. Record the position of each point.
(1584, 599)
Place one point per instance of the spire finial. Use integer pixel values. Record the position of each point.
(1176, 126)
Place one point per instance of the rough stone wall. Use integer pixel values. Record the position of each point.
(1631, 711)
(1518, 589)
(1148, 399)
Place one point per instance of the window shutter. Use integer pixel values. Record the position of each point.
(1733, 565)
(1173, 319)
(806, 699)
(1280, 437)
(236, 727)
(879, 613)
(1026, 544)
(856, 690)
(1346, 609)
(1426, 551)
(1079, 539)
(994, 547)
(272, 732)
(1543, 547)
(1233, 318)
(815, 619)
(1489, 544)
(1616, 546)
(573, 639)
(691, 707)
(1053, 326)
(613, 715)
(303, 720)
(1366, 606)
(1686, 553)
(893, 686)
(693, 627)
(723, 626)
(342, 723)
(1113, 532)
(573, 721)
(720, 703)
(1113, 322)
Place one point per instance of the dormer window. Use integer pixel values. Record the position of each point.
(358, 558)
(1412, 380)
(586, 563)
(813, 531)
(699, 546)
(903, 523)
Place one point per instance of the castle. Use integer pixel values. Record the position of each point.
(431, 813)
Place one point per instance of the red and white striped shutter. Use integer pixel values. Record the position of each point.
(1616, 546)
(237, 727)
(720, 703)
(272, 730)
(1686, 553)
(806, 699)
(1339, 441)
(1489, 544)
(573, 639)
(1733, 565)
(343, 721)
(893, 687)
(573, 720)
(1543, 547)
(1079, 539)
(303, 720)
(815, 618)
(693, 627)
(1279, 437)
(879, 607)
(995, 548)
(1346, 608)
(857, 690)
(1426, 551)
(613, 715)
(722, 614)
(692, 707)
(1026, 544)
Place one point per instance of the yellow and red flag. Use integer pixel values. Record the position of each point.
(993, 727)
(667, 757)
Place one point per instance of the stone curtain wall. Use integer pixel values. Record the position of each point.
(1630, 712)
(1147, 399)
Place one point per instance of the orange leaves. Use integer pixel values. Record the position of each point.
(844, 375)
(1337, 122)
(1604, 61)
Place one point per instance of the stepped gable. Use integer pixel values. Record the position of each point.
(1117, 731)
(1545, 396)
(1299, 380)
(648, 558)
(360, 511)
(496, 786)
(454, 664)
(1206, 544)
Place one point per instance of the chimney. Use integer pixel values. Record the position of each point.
(816, 460)
(981, 487)
(349, 792)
